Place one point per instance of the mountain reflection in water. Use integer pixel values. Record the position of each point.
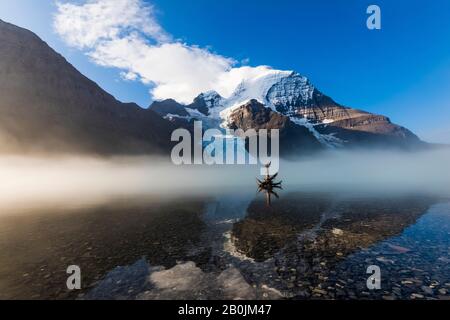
(307, 245)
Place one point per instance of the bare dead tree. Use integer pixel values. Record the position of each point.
(268, 185)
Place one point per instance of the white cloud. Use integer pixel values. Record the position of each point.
(84, 26)
(125, 34)
(129, 76)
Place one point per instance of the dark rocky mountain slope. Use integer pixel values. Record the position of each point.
(46, 105)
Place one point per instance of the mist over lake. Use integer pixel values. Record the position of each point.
(79, 181)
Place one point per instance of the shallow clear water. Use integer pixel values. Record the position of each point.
(306, 246)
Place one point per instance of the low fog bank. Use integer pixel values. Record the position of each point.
(374, 171)
(27, 182)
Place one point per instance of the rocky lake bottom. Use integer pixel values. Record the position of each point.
(233, 246)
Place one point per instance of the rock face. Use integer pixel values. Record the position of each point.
(294, 139)
(46, 105)
(293, 92)
(356, 127)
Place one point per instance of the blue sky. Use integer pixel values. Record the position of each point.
(402, 71)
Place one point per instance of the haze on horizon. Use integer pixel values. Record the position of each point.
(66, 181)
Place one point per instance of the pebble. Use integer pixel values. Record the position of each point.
(384, 260)
(427, 290)
(399, 249)
(319, 291)
(397, 291)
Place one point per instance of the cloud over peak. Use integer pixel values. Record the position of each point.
(125, 34)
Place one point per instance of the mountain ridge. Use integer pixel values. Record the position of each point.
(294, 96)
(47, 105)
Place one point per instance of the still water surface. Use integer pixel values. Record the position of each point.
(308, 245)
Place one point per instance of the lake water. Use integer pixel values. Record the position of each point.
(307, 245)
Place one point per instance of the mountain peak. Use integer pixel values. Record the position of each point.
(258, 87)
(168, 107)
(209, 95)
(207, 101)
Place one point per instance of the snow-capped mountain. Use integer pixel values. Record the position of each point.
(281, 91)
(292, 96)
(278, 90)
